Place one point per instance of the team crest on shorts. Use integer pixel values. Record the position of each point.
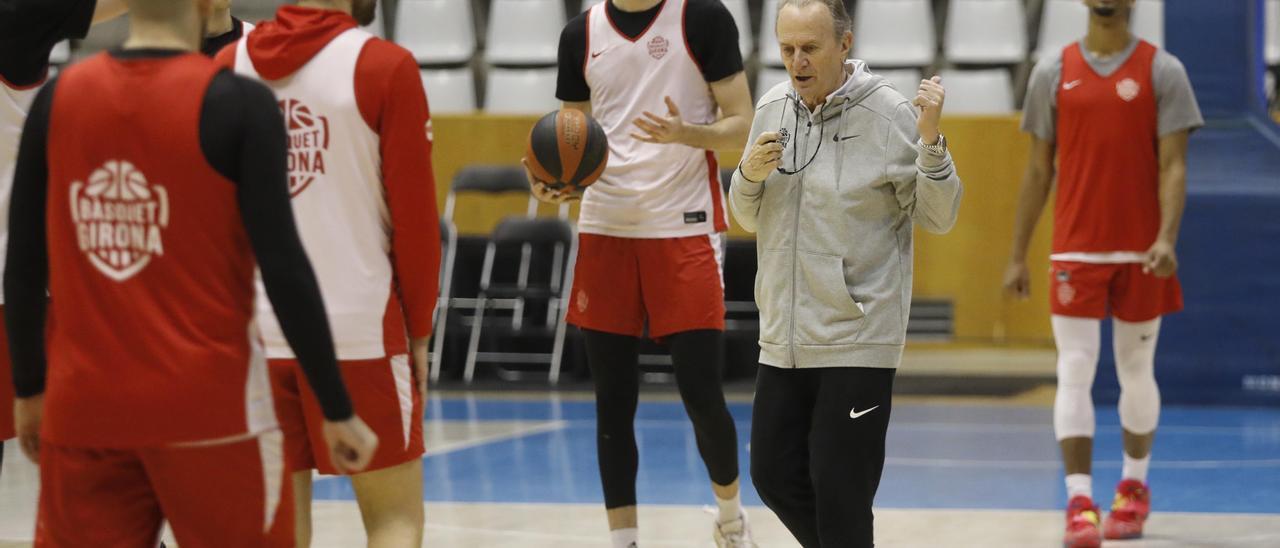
(1063, 276)
(1128, 89)
(308, 144)
(119, 218)
(658, 47)
(1066, 294)
(582, 301)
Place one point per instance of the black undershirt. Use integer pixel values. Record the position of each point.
(710, 29)
(242, 135)
(213, 44)
(29, 29)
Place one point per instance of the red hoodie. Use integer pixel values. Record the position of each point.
(392, 102)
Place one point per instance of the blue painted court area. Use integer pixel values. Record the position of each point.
(940, 456)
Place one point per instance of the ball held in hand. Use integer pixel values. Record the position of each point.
(567, 150)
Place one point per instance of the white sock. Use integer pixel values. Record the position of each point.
(1079, 484)
(625, 538)
(1136, 468)
(730, 509)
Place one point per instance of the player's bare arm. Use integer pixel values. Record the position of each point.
(1036, 183)
(734, 99)
(26, 423)
(1161, 259)
(540, 189)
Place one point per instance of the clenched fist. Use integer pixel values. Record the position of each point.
(929, 99)
(763, 158)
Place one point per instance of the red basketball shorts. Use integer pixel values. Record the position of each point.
(385, 397)
(674, 283)
(1088, 290)
(213, 496)
(6, 384)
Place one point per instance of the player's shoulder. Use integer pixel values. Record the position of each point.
(237, 90)
(1050, 64)
(577, 26)
(381, 59)
(386, 52)
(1166, 61)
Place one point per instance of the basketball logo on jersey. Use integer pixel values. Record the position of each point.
(1128, 89)
(658, 47)
(119, 216)
(308, 143)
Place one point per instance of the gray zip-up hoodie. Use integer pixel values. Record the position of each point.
(835, 240)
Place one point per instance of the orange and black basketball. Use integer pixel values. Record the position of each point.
(567, 149)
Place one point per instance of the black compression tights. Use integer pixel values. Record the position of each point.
(698, 357)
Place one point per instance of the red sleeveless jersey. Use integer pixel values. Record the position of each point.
(151, 273)
(1108, 160)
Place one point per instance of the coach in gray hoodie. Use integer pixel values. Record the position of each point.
(838, 169)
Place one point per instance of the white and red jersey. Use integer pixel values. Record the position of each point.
(649, 190)
(360, 175)
(14, 103)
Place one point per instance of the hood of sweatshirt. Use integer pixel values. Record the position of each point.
(280, 47)
(857, 86)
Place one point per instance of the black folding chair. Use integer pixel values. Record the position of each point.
(449, 254)
(547, 246)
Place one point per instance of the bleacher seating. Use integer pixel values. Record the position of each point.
(1061, 22)
(889, 34)
(450, 90)
(742, 18)
(906, 81)
(768, 39)
(521, 91)
(895, 33)
(436, 31)
(988, 91)
(986, 31)
(524, 32)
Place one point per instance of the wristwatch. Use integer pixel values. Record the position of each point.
(940, 148)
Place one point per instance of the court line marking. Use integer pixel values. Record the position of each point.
(532, 535)
(539, 427)
(970, 427)
(552, 426)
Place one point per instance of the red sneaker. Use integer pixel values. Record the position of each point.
(1129, 511)
(1082, 524)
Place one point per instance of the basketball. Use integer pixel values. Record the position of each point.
(567, 149)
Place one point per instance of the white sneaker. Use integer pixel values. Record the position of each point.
(734, 534)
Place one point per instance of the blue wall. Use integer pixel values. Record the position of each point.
(1225, 346)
